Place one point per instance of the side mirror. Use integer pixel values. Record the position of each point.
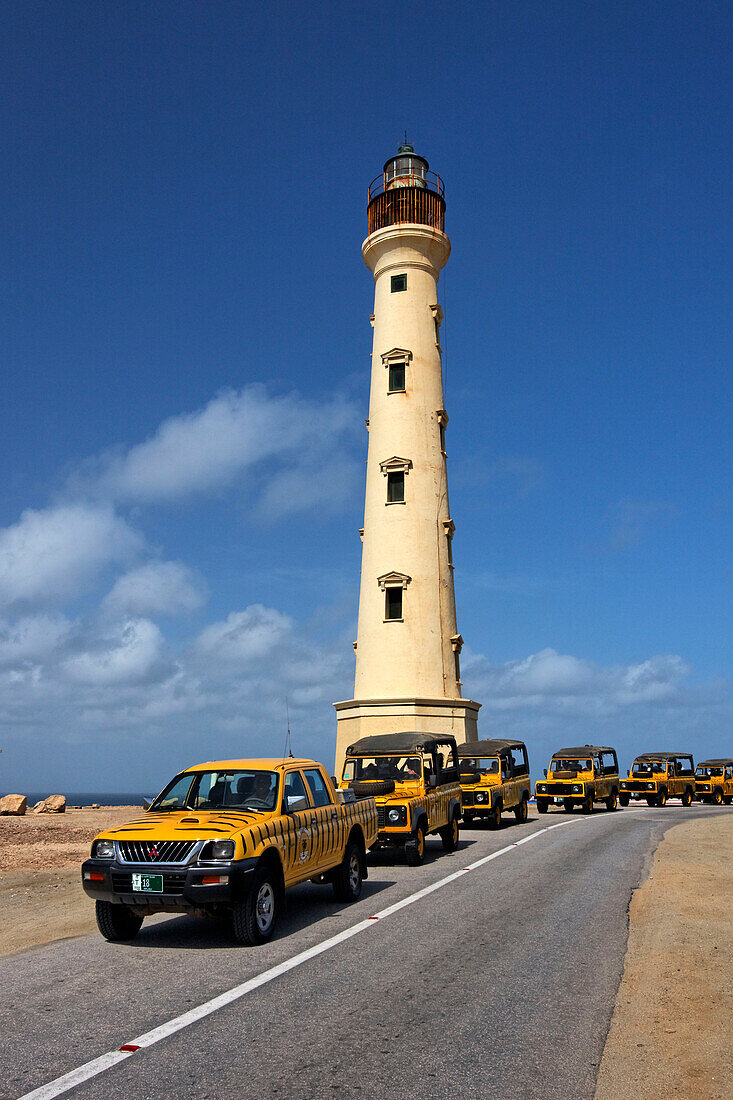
(295, 803)
(545, 773)
(147, 803)
(433, 780)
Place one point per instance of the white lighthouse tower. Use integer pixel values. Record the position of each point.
(408, 647)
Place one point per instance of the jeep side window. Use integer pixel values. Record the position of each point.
(319, 790)
(520, 764)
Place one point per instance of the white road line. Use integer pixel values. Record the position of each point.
(99, 1065)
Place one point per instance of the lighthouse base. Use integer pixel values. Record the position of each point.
(356, 718)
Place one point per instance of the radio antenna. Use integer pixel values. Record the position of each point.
(288, 750)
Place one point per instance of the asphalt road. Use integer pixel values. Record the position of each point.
(500, 982)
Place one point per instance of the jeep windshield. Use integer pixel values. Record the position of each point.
(482, 765)
(401, 769)
(647, 767)
(220, 790)
(706, 773)
(570, 766)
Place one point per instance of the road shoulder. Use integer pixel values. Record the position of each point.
(670, 1030)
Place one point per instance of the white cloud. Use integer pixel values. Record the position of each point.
(134, 653)
(31, 639)
(245, 636)
(54, 553)
(158, 588)
(233, 434)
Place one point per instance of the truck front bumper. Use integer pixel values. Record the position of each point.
(183, 887)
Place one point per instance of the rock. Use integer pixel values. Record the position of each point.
(54, 804)
(13, 805)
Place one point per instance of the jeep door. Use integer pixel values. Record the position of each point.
(299, 854)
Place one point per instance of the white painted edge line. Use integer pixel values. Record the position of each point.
(106, 1061)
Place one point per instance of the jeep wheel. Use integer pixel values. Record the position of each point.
(347, 876)
(468, 818)
(542, 805)
(662, 798)
(686, 797)
(449, 835)
(612, 801)
(717, 797)
(728, 798)
(494, 819)
(254, 918)
(117, 922)
(520, 811)
(415, 848)
(587, 805)
(567, 805)
(624, 800)
(651, 800)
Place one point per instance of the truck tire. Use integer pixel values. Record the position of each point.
(348, 875)
(520, 812)
(449, 834)
(567, 805)
(651, 800)
(717, 797)
(612, 801)
(624, 799)
(117, 922)
(254, 918)
(542, 805)
(686, 797)
(728, 798)
(587, 805)
(468, 818)
(662, 798)
(415, 847)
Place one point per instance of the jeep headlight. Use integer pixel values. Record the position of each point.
(650, 786)
(480, 797)
(624, 784)
(103, 849)
(397, 815)
(218, 849)
(577, 788)
(542, 787)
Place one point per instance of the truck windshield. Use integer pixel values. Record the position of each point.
(220, 790)
(706, 772)
(571, 766)
(647, 767)
(483, 765)
(402, 769)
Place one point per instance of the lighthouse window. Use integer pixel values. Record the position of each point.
(393, 603)
(399, 282)
(396, 488)
(397, 378)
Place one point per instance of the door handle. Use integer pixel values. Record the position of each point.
(314, 820)
(334, 814)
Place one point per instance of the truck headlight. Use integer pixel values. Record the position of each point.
(218, 849)
(624, 784)
(650, 786)
(542, 787)
(397, 815)
(103, 849)
(480, 797)
(577, 788)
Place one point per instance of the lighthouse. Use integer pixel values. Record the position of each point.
(408, 673)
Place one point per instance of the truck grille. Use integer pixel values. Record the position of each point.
(637, 784)
(162, 851)
(468, 798)
(563, 789)
(172, 883)
(381, 816)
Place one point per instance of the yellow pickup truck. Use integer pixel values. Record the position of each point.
(714, 781)
(414, 780)
(228, 838)
(657, 776)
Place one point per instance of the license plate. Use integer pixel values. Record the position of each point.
(147, 884)
(559, 800)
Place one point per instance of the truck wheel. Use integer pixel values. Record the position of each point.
(347, 877)
(254, 918)
(612, 801)
(520, 811)
(117, 922)
(662, 798)
(449, 835)
(728, 798)
(567, 805)
(494, 819)
(542, 805)
(624, 800)
(415, 848)
(468, 818)
(686, 797)
(587, 805)
(717, 796)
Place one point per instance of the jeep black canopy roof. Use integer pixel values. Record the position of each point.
(726, 762)
(385, 744)
(492, 747)
(583, 750)
(664, 756)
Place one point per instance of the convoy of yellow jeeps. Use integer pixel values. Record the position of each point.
(228, 838)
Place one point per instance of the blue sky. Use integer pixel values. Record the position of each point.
(186, 367)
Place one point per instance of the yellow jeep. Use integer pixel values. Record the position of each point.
(228, 838)
(494, 777)
(580, 777)
(414, 780)
(657, 776)
(714, 781)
